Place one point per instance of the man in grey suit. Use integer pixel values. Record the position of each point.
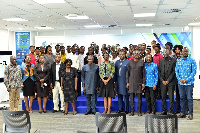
(167, 77)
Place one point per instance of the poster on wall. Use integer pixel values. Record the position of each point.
(22, 40)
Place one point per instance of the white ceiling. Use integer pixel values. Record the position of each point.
(102, 12)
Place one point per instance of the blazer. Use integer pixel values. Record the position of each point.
(166, 70)
(53, 73)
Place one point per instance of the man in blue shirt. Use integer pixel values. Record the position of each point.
(120, 82)
(151, 83)
(90, 82)
(186, 69)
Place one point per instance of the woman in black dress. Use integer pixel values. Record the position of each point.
(27, 70)
(69, 85)
(106, 72)
(41, 73)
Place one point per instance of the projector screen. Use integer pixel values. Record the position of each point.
(4, 61)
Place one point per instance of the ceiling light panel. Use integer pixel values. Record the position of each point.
(144, 2)
(144, 24)
(145, 15)
(15, 19)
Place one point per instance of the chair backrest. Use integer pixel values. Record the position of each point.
(16, 121)
(115, 123)
(161, 124)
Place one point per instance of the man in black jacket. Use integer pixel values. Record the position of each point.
(55, 83)
(167, 80)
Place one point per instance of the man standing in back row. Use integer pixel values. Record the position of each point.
(186, 69)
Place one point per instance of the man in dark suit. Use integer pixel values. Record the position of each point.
(167, 80)
(55, 83)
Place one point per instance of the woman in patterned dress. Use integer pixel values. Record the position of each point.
(69, 85)
(107, 70)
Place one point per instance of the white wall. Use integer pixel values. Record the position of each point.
(196, 56)
(111, 31)
(4, 40)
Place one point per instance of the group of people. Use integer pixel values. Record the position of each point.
(135, 71)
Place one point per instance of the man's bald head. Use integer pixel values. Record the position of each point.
(13, 60)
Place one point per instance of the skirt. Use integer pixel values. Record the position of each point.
(107, 90)
(42, 91)
(28, 89)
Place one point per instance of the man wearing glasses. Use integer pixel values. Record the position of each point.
(186, 69)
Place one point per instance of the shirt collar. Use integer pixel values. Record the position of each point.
(59, 63)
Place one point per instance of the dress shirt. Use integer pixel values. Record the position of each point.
(151, 74)
(156, 58)
(75, 61)
(81, 60)
(57, 71)
(186, 69)
(13, 76)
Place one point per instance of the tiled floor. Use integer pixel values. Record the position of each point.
(58, 123)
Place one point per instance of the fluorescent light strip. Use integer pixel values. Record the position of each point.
(15, 19)
(92, 26)
(44, 28)
(144, 24)
(49, 1)
(77, 17)
(193, 24)
(144, 15)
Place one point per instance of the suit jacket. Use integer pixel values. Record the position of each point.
(53, 72)
(166, 70)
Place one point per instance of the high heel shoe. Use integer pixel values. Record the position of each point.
(105, 111)
(74, 113)
(30, 111)
(108, 112)
(40, 112)
(66, 113)
(44, 111)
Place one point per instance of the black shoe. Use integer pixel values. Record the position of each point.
(88, 112)
(54, 111)
(177, 111)
(62, 111)
(181, 116)
(171, 113)
(93, 113)
(163, 113)
(126, 112)
(119, 111)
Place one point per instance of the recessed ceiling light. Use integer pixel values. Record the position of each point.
(144, 24)
(49, 1)
(15, 19)
(145, 15)
(194, 24)
(75, 16)
(46, 28)
(92, 26)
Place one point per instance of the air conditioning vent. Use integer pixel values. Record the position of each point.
(170, 10)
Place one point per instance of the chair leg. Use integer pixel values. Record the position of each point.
(4, 127)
